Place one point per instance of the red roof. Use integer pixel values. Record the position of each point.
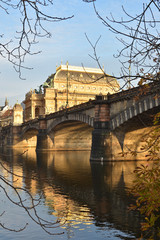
(7, 113)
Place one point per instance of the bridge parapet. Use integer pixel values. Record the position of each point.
(140, 91)
(69, 117)
(138, 107)
(103, 115)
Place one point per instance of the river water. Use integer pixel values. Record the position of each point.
(89, 200)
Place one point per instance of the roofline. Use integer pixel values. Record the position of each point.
(79, 69)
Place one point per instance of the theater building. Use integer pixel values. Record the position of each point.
(68, 86)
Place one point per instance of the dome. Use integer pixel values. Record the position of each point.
(18, 107)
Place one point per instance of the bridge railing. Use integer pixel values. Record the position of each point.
(31, 121)
(130, 93)
(75, 108)
(126, 94)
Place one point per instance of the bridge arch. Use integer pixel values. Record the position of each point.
(72, 132)
(28, 136)
(70, 117)
(139, 107)
(28, 128)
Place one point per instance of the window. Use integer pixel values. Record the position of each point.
(36, 112)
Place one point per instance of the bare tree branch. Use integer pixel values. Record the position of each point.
(140, 38)
(29, 204)
(33, 19)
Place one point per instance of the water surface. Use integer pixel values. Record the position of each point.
(90, 200)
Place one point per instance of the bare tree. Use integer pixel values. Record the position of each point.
(140, 37)
(24, 199)
(33, 18)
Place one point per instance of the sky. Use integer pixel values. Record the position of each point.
(68, 43)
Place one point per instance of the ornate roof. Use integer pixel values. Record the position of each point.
(8, 113)
(79, 74)
(17, 107)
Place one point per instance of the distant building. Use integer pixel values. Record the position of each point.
(9, 115)
(5, 114)
(69, 86)
(5, 107)
(17, 114)
(6, 118)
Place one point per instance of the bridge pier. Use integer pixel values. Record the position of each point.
(101, 145)
(9, 136)
(101, 138)
(43, 141)
(42, 136)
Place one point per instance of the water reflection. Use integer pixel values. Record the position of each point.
(79, 193)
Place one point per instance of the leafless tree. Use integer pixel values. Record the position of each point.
(24, 200)
(33, 17)
(140, 38)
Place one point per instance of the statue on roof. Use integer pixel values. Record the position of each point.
(50, 81)
(39, 91)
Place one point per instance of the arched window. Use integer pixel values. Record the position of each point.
(36, 112)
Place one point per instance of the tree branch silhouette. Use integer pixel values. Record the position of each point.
(140, 38)
(28, 203)
(33, 18)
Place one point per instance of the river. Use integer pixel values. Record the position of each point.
(89, 200)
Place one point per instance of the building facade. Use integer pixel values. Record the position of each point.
(69, 86)
(9, 115)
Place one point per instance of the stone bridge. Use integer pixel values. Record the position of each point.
(107, 125)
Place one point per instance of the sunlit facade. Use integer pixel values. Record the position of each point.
(69, 86)
(9, 115)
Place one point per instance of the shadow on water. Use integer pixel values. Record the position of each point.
(77, 190)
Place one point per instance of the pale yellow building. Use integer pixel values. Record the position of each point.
(17, 114)
(11, 116)
(69, 86)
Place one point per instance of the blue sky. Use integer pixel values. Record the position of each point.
(68, 43)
